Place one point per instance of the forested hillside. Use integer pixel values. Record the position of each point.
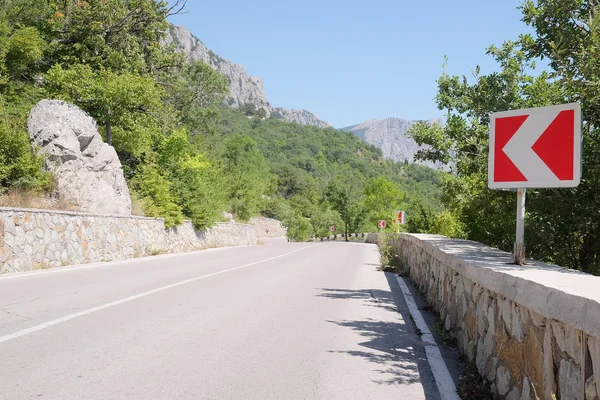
(306, 162)
(183, 154)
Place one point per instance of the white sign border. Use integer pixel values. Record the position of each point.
(578, 139)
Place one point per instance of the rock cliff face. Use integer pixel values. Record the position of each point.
(87, 170)
(389, 135)
(243, 88)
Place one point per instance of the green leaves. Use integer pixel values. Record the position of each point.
(24, 48)
(117, 35)
(382, 198)
(155, 192)
(18, 165)
(248, 175)
(345, 193)
(116, 100)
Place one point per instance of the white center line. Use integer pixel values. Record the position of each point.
(69, 317)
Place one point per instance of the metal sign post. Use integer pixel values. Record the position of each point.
(520, 242)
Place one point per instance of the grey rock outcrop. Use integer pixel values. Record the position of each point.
(244, 90)
(87, 170)
(301, 117)
(390, 135)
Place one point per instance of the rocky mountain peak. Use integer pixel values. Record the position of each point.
(302, 117)
(390, 135)
(244, 90)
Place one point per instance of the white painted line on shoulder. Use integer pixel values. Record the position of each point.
(443, 380)
(69, 317)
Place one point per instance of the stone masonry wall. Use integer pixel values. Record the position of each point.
(37, 239)
(276, 229)
(533, 331)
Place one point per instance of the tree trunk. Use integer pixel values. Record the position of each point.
(589, 251)
(346, 230)
(109, 133)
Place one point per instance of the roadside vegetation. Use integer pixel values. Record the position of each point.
(184, 154)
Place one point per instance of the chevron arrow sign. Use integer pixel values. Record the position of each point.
(535, 148)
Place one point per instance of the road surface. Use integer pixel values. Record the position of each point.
(280, 321)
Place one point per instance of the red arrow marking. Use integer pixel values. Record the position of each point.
(556, 145)
(504, 169)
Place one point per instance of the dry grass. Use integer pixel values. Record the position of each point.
(20, 198)
(137, 205)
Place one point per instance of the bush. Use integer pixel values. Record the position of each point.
(447, 224)
(299, 228)
(19, 166)
(199, 188)
(153, 190)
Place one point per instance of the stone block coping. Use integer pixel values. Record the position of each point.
(557, 293)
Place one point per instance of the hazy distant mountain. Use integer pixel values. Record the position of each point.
(300, 116)
(389, 135)
(244, 90)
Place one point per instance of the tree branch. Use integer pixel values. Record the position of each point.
(177, 8)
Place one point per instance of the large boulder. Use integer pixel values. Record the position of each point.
(87, 170)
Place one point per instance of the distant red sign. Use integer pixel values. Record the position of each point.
(381, 223)
(400, 217)
(332, 228)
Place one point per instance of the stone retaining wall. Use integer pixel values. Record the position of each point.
(37, 239)
(533, 331)
(276, 229)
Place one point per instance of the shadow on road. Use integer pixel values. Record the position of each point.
(395, 347)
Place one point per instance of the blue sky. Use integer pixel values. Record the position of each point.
(351, 61)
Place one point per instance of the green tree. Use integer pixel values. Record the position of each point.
(197, 92)
(19, 166)
(420, 218)
(299, 228)
(382, 198)
(122, 104)
(345, 194)
(22, 49)
(154, 190)
(248, 175)
(447, 224)
(322, 219)
(118, 35)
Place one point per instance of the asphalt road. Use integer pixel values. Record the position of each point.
(280, 321)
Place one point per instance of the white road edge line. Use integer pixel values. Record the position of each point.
(69, 317)
(442, 377)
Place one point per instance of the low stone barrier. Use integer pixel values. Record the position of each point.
(533, 331)
(37, 239)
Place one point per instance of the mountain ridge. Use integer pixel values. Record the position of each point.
(244, 89)
(247, 92)
(391, 136)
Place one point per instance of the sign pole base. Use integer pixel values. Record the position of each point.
(519, 254)
(519, 250)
